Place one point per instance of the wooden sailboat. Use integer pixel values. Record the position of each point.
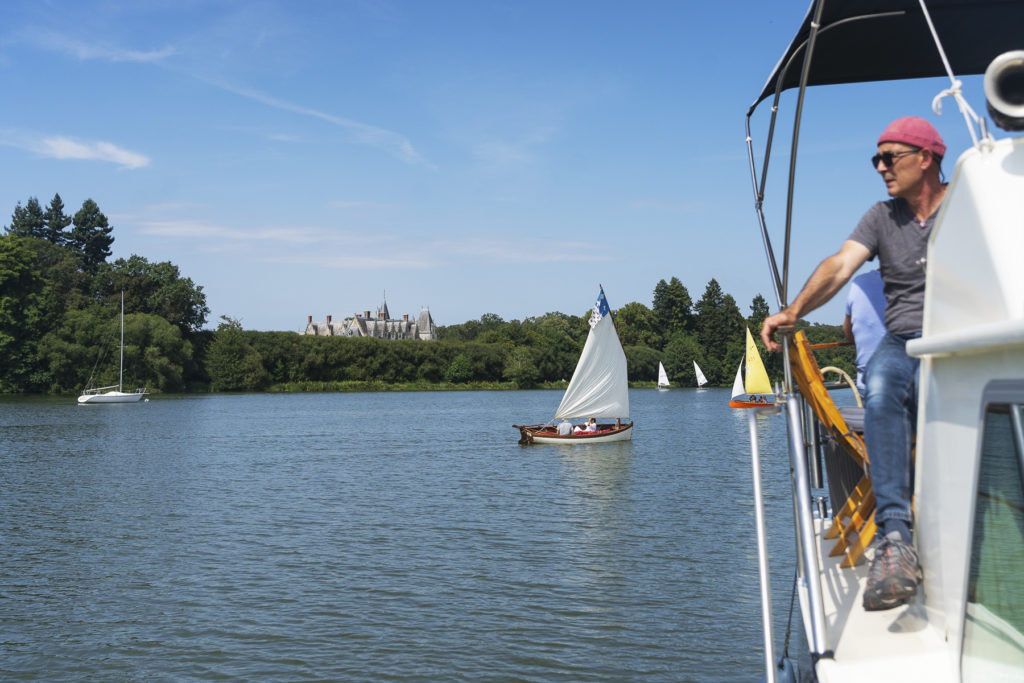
(115, 393)
(701, 379)
(754, 390)
(662, 377)
(598, 392)
(966, 621)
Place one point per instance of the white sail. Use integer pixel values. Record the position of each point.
(662, 376)
(599, 387)
(737, 385)
(701, 379)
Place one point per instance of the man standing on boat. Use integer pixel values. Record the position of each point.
(896, 231)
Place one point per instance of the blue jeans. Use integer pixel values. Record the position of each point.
(890, 419)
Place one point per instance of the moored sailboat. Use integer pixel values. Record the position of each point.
(662, 377)
(116, 394)
(966, 620)
(598, 391)
(752, 390)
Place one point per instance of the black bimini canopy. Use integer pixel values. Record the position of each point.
(879, 40)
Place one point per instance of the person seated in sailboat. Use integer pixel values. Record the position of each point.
(564, 427)
(592, 425)
(908, 159)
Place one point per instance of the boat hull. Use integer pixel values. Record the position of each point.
(112, 397)
(531, 434)
(759, 401)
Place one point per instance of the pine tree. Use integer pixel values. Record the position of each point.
(56, 221)
(28, 220)
(719, 321)
(673, 308)
(758, 312)
(91, 235)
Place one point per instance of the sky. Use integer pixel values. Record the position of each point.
(308, 158)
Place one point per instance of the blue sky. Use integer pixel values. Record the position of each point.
(474, 156)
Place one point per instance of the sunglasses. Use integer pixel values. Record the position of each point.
(889, 158)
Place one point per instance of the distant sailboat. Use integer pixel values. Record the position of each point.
(599, 388)
(100, 395)
(662, 377)
(756, 389)
(701, 379)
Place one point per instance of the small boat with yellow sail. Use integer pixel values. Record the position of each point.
(754, 391)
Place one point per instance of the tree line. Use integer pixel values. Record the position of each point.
(60, 307)
(536, 351)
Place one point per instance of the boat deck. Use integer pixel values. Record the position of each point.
(897, 644)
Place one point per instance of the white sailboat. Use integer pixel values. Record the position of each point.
(114, 393)
(662, 377)
(599, 389)
(753, 390)
(966, 621)
(701, 379)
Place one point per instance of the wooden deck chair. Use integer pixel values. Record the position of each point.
(853, 524)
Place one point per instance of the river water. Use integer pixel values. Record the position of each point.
(383, 537)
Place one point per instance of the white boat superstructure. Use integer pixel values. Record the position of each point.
(967, 621)
(116, 394)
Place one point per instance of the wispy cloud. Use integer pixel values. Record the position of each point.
(504, 153)
(66, 148)
(510, 251)
(389, 141)
(61, 147)
(349, 249)
(393, 143)
(86, 51)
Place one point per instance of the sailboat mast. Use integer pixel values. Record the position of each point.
(120, 369)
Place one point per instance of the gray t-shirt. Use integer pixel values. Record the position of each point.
(891, 232)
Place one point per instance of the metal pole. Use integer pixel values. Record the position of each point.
(762, 544)
(805, 526)
(813, 445)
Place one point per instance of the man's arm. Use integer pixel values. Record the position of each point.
(827, 279)
(848, 328)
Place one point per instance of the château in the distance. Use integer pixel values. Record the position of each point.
(379, 326)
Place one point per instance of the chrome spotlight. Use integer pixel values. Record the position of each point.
(1004, 90)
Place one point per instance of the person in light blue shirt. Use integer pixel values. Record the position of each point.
(864, 324)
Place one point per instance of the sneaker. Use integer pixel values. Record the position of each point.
(893, 576)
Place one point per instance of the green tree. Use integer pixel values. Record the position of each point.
(25, 311)
(758, 312)
(673, 308)
(719, 322)
(232, 363)
(56, 222)
(91, 236)
(521, 368)
(156, 288)
(641, 363)
(28, 220)
(636, 326)
(680, 353)
(461, 370)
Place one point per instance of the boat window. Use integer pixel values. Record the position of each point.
(993, 647)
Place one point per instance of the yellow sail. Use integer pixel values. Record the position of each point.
(757, 377)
